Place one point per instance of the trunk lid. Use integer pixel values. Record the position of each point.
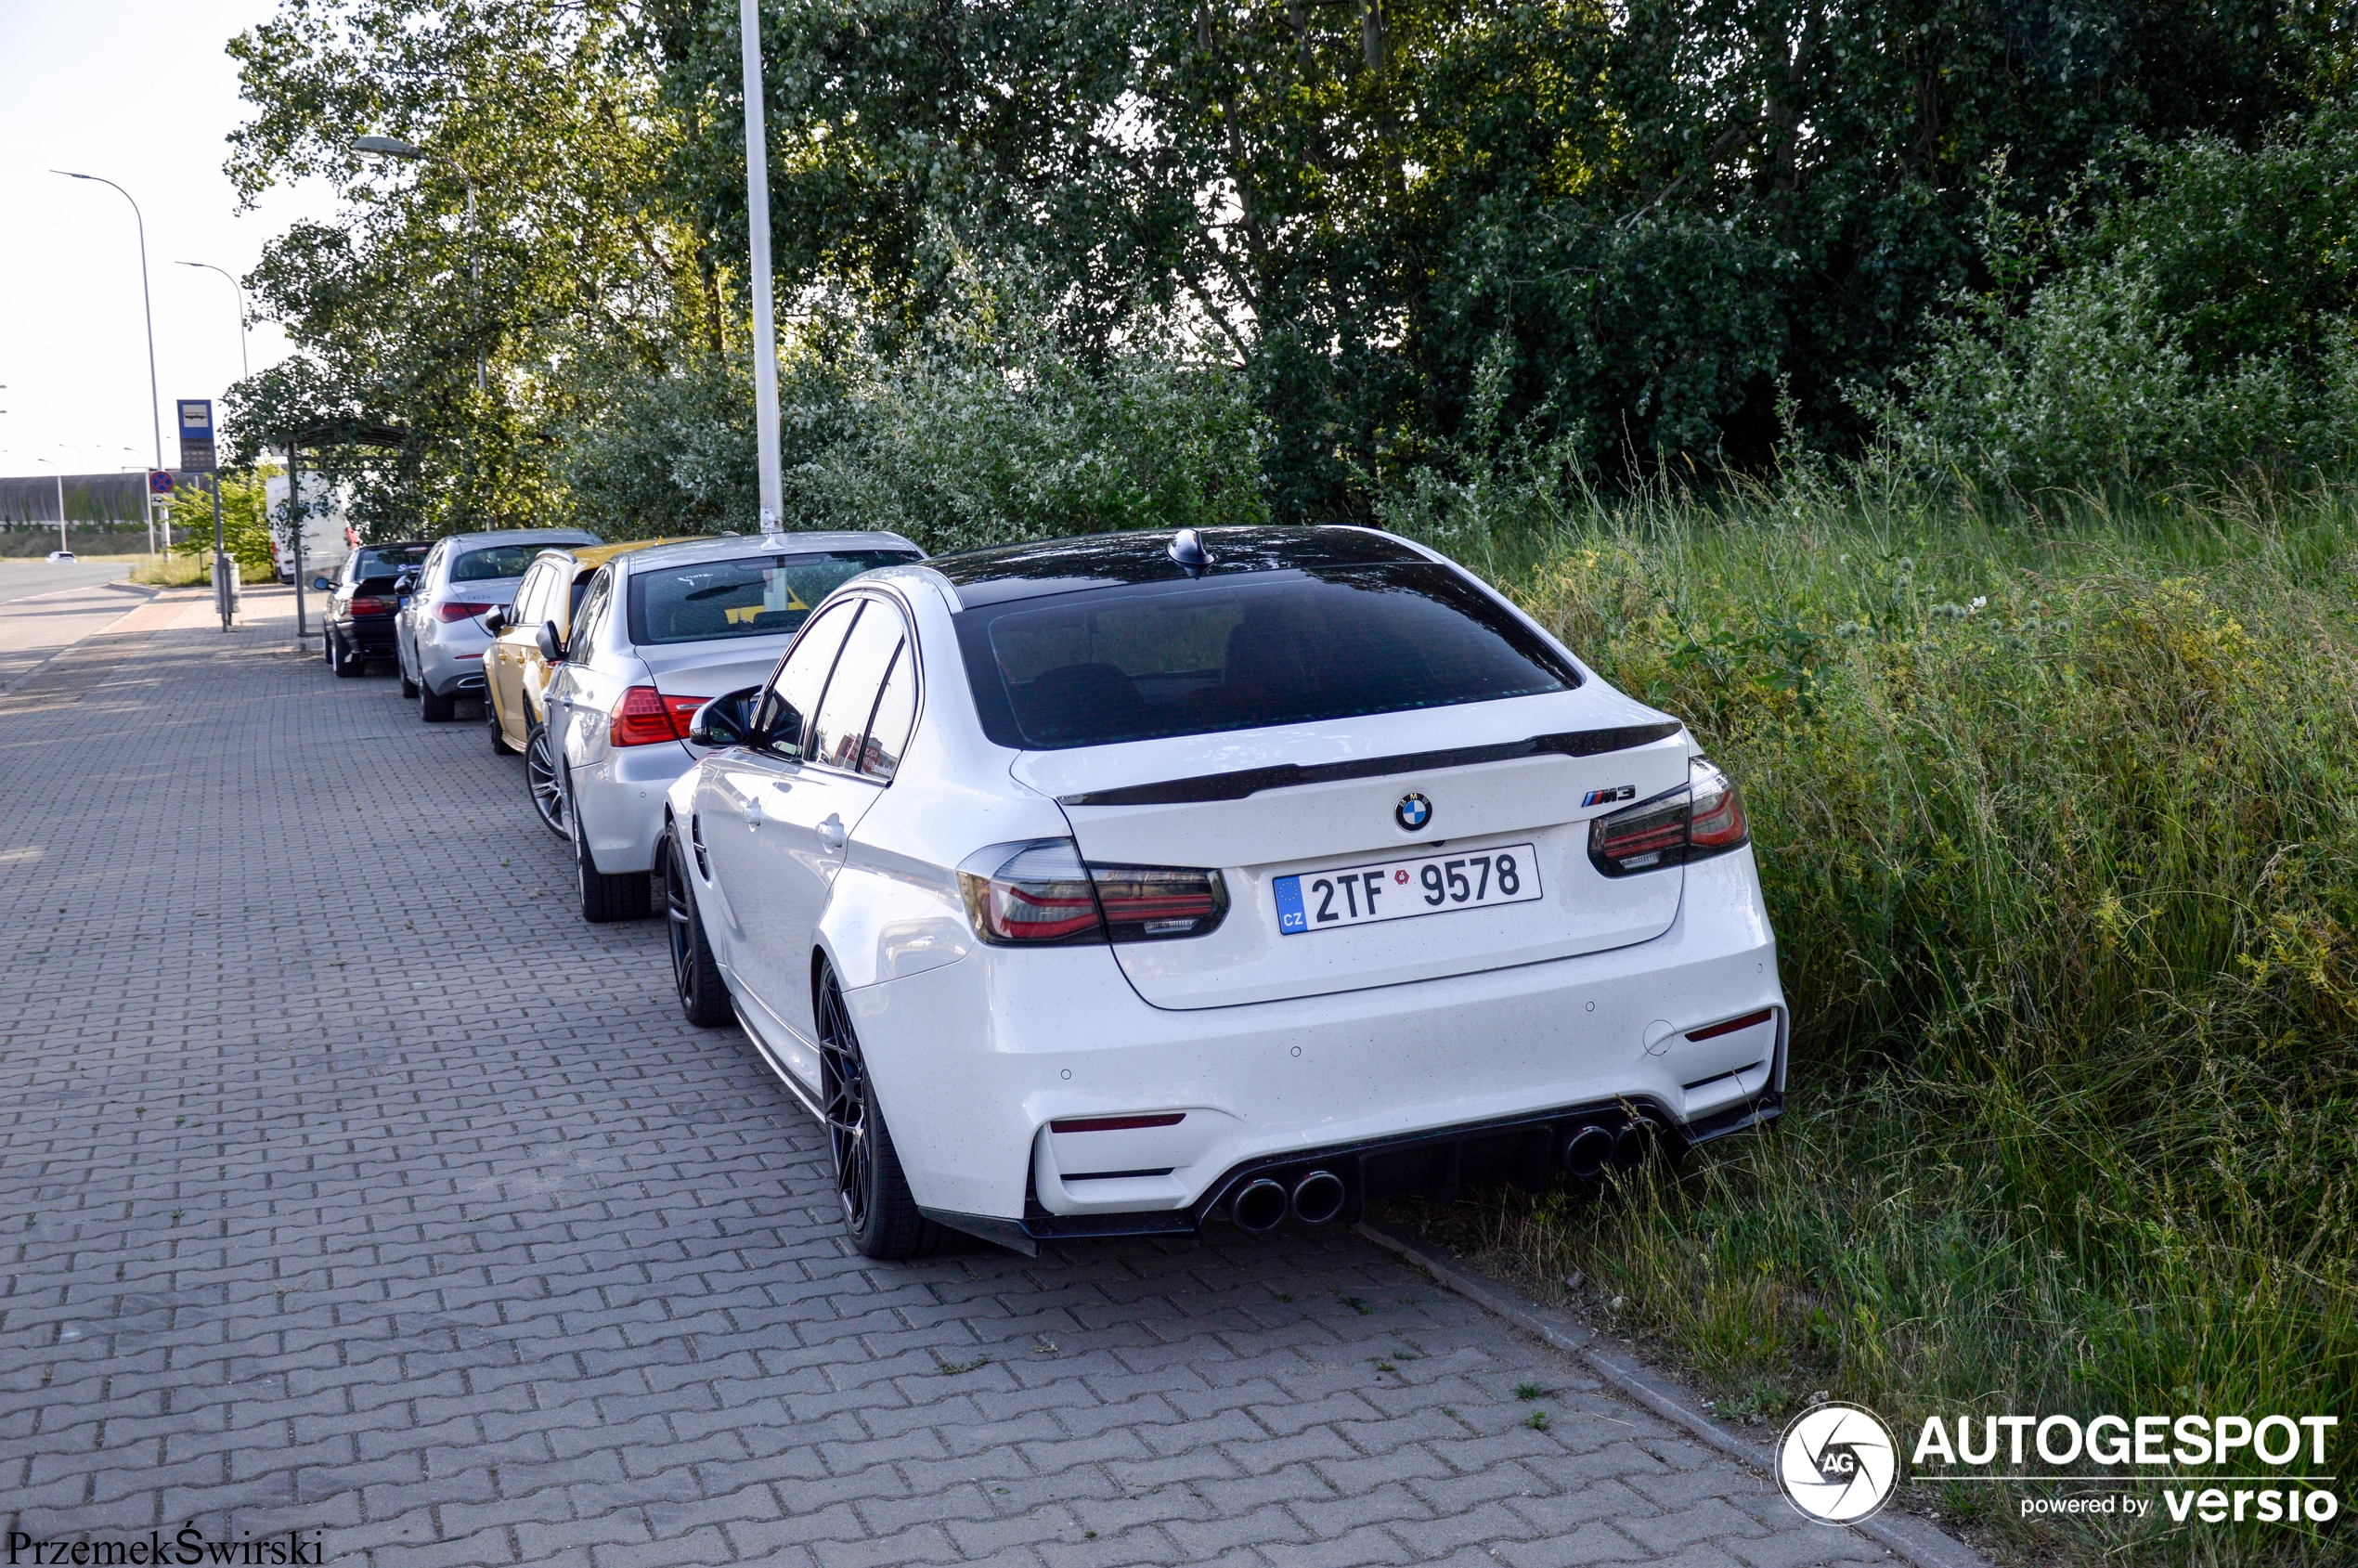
(1520, 777)
(707, 669)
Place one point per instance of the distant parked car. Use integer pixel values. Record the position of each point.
(61, 555)
(1125, 885)
(661, 632)
(361, 600)
(438, 634)
(527, 640)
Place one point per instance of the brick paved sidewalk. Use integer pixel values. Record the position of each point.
(354, 1185)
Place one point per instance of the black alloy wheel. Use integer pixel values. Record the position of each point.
(879, 1209)
(541, 776)
(695, 975)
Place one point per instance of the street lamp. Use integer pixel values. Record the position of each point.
(61, 500)
(155, 399)
(394, 147)
(245, 365)
(765, 327)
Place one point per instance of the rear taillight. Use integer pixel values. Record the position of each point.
(456, 611)
(646, 716)
(1703, 817)
(1040, 893)
(370, 607)
(1146, 903)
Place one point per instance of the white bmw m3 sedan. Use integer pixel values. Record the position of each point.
(1132, 883)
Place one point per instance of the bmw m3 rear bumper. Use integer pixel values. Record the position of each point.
(1033, 1095)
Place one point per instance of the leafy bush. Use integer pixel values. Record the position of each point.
(2057, 837)
(2202, 326)
(983, 431)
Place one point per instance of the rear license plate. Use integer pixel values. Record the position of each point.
(1361, 895)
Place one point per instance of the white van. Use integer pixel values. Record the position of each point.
(327, 533)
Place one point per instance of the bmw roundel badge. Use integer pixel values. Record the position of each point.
(1413, 812)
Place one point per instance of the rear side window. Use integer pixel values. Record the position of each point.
(842, 726)
(896, 716)
(1144, 661)
(753, 596)
(499, 561)
(794, 691)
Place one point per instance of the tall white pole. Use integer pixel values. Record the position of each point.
(765, 326)
(155, 398)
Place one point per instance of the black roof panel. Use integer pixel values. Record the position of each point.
(1044, 567)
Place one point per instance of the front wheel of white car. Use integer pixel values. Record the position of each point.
(879, 1209)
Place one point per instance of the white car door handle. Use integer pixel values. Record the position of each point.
(832, 834)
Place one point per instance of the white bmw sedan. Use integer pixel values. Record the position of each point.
(659, 630)
(1128, 884)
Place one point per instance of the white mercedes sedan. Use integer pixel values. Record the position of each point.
(1130, 884)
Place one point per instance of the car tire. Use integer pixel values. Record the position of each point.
(605, 900)
(696, 973)
(348, 661)
(436, 708)
(544, 783)
(879, 1209)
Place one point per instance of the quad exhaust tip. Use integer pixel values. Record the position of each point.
(1317, 1197)
(1260, 1207)
(1587, 1152)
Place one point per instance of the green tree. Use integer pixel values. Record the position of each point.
(245, 523)
(569, 255)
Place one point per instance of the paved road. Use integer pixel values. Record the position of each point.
(37, 622)
(19, 577)
(350, 1184)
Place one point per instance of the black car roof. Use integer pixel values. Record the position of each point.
(1044, 567)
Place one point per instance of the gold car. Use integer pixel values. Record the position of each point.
(529, 636)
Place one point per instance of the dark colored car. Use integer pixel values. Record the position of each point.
(361, 600)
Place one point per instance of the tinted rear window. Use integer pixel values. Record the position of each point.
(1188, 658)
(753, 596)
(385, 563)
(499, 561)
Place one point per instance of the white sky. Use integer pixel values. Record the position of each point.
(143, 95)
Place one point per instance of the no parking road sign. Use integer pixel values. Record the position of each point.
(195, 436)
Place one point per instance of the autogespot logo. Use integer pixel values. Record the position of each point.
(1837, 1463)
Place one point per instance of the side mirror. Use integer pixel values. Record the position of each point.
(495, 620)
(550, 649)
(323, 585)
(726, 720)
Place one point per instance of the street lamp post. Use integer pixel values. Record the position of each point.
(60, 477)
(765, 326)
(245, 367)
(155, 398)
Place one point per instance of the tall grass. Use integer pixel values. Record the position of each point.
(2057, 817)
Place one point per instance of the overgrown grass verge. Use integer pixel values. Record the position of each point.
(2058, 822)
